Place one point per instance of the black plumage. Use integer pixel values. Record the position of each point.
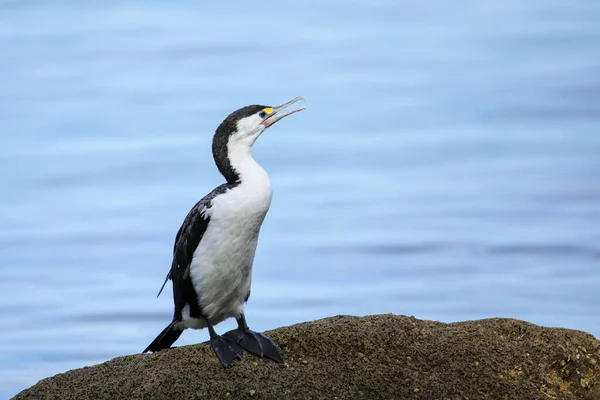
(219, 145)
(186, 241)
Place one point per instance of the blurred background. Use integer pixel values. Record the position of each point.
(447, 166)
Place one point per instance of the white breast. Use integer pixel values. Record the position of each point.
(221, 269)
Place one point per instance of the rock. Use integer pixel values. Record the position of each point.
(374, 357)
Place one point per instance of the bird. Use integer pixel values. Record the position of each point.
(214, 249)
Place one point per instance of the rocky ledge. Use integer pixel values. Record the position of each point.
(374, 357)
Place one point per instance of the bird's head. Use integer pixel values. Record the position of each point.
(245, 125)
(236, 135)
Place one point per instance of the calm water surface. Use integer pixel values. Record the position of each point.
(447, 167)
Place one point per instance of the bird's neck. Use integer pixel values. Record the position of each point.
(241, 168)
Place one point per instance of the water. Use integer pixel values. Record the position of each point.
(447, 166)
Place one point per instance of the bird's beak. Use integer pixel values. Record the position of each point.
(274, 117)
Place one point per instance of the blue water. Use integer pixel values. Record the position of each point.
(447, 166)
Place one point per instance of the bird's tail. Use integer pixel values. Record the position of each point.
(166, 338)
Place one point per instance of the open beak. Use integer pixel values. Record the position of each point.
(274, 117)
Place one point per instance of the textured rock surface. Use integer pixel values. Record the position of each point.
(375, 357)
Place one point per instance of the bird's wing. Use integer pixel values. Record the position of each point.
(186, 241)
(192, 231)
(177, 237)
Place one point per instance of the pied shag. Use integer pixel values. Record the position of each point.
(215, 246)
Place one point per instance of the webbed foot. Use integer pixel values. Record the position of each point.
(255, 343)
(226, 350)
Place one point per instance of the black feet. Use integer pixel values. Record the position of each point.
(255, 343)
(228, 347)
(226, 350)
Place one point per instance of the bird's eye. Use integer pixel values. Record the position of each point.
(265, 112)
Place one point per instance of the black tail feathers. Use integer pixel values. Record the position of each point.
(165, 339)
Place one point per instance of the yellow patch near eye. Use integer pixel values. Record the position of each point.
(268, 110)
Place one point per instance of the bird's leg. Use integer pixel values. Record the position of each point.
(225, 349)
(254, 342)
